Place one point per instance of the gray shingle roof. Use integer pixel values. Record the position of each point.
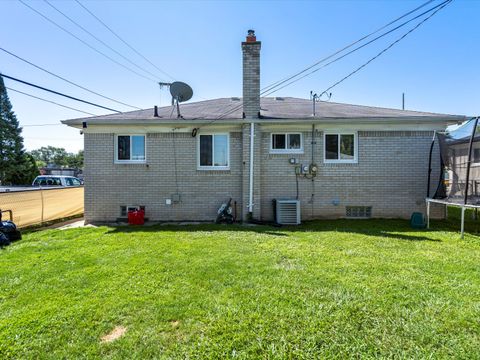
(271, 108)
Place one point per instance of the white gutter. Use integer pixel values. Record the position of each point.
(250, 190)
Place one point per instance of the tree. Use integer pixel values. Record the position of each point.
(16, 166)
(75, 160)
(50, 155)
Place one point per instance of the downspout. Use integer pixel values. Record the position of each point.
(250, 189)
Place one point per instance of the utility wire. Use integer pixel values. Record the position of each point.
(98, 39)
(68, 81)
(122, 40)
(86, 43)
(388, 47)
(49, 101)
(58, 93)
(354, 50)
(277, 87)
(40, 125)
(346, 47)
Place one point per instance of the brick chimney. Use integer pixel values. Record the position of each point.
(251, 76)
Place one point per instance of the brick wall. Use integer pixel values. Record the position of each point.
(109, 186)
(390, 176)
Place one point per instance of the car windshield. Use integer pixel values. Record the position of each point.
(47, 181)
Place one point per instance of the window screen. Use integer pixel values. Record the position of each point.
(347, 147)
(138, 148)
(294, 141)
(220, 154)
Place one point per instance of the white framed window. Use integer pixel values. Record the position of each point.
(130, 149)
(286, 143)
(213, 151)
(340, 147)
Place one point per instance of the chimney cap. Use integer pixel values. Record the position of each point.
(251, 36)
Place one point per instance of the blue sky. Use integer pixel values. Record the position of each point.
(199, 43)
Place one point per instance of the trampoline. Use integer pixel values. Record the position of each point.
(459, 181)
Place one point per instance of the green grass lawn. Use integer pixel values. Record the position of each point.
(331, 289)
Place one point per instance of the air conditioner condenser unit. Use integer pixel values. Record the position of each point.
(287, 212)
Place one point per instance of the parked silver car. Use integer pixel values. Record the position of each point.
(56, 180)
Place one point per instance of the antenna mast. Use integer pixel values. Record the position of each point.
(315, 97)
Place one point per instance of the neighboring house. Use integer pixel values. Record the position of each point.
(371, 161)
(455, 157)
(52, 170)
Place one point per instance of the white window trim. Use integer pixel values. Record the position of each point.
(213, 167)
(286, 151)
(341, 161)
(117, 161)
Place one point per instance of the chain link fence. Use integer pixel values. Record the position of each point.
(32, 207)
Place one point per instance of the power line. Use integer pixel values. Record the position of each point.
(100, 40)
(122, 40)
(68, 81)
(348, 46)
(388, 47)
(57, 93)
(49, 101)
(278, 86)
(86, 44)
(40, 125)
(271, 91)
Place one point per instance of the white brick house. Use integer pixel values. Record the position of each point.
(184, 168)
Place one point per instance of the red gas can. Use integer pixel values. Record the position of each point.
(136, 217)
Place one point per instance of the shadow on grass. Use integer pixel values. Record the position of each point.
(387, 228)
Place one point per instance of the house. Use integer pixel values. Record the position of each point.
(455, 150)
(57, 170)
(344, 161)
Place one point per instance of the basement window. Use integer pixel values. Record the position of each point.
(213, 152)
(340, 147)
(359, 212)
(286, 143)
(130, 149)
(125, 209)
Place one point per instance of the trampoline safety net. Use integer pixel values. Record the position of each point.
(459, 182)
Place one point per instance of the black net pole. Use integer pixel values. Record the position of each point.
(430, 165)
(470, 159)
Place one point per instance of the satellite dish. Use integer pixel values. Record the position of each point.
(180, 91)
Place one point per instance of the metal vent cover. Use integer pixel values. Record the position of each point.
(359, 212)
(288, 212)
